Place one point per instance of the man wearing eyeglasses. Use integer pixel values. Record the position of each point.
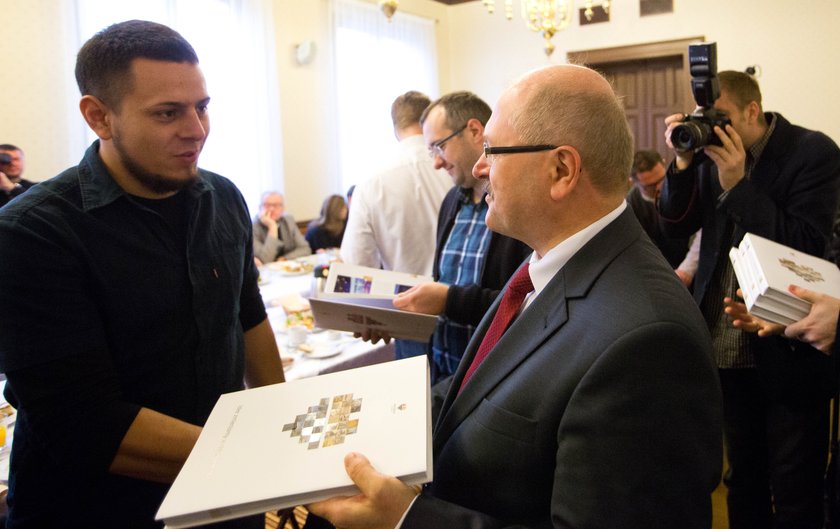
(588, 396)
(471, 262)
(394, 213)
(647, 175)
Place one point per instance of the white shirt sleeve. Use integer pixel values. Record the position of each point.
(692, 258)
(410, 505)
(358, 247)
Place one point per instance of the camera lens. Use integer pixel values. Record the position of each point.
(689, 136)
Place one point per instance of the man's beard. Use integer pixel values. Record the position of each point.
(156, 183)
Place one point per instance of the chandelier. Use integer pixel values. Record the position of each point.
(388, 7)
(547, 16)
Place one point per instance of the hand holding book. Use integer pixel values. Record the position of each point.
(381, 504)
(742, 319)
(818, 328)
(426, 298)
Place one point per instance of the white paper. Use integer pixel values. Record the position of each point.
(346, 280)
(251, 456)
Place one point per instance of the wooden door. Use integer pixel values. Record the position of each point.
(652, 89)
(653, 81)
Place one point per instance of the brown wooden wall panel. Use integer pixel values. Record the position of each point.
(652, 80)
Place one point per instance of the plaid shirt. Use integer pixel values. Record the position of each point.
(461, 263)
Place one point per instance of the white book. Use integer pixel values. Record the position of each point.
(742, 274)
(778, 266)
(772, 316)
(358, 298)
(358, 315)
(760, 288)
(284, 445)
(762, 306)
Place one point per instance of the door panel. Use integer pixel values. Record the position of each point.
(651, 89)
(652, 86)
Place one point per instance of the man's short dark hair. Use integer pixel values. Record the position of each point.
(741, 88)
(644, 161)
(103, 64)
(407, 109)
(9, 147)
(460, 107)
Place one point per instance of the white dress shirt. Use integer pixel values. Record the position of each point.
(393, 218)
(542, 269)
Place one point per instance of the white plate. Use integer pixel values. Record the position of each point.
(281, 268)
(324, 351)
(292, 274)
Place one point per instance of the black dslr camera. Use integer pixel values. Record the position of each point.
(5, 158)
(697, 129)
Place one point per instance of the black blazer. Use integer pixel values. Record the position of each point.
(598, 408)
(790, 197)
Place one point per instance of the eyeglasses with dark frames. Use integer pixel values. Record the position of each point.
(490, 153)
(436, 149)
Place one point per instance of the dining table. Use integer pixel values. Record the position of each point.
(322, 350)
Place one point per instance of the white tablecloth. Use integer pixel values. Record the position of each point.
(354, 352)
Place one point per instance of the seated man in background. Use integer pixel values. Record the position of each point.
(12, 161)
(276, 235)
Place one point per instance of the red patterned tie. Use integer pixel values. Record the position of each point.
(512, 299)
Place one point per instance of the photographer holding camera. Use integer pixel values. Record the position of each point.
(11, 169)
(739, 169)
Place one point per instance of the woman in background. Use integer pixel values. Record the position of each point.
(327, 231)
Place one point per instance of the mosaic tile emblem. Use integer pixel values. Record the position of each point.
(327, 423)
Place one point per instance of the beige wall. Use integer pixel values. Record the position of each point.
(310, 165)
(792, 42)
(37, 85)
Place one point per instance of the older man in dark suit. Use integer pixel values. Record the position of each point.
(598, 406)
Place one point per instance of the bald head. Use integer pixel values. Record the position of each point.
(574, 105)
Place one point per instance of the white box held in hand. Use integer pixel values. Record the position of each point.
(778, 266)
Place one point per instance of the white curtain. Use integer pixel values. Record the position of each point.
(375, 61)
(234, 40)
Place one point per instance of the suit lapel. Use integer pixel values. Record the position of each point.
(540, 320)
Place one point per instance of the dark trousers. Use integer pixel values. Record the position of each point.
(777, 455)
